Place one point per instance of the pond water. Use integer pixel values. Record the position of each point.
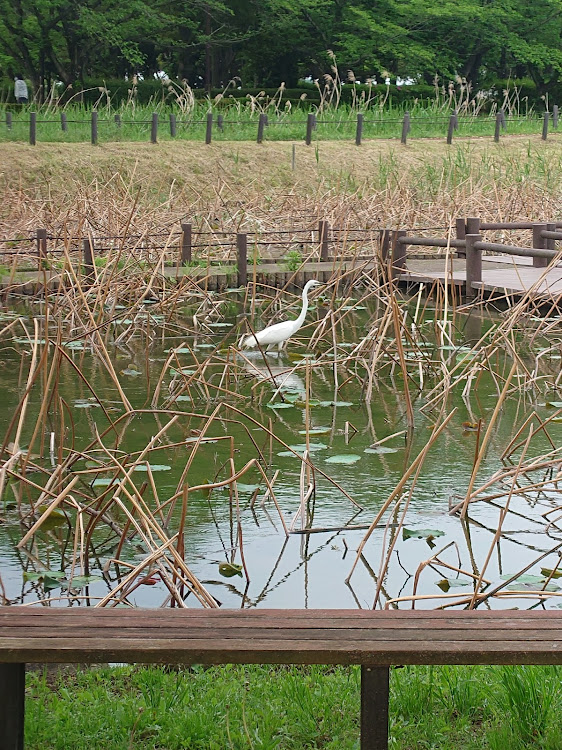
(262, 407)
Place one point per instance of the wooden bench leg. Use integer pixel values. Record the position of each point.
(374, 708)
(12, 706)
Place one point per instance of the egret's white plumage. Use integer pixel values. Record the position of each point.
(279, 333)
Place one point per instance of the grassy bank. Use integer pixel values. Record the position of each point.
(290, 708)
(139, 187)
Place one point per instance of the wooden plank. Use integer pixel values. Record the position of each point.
(12, 706)
(406, 616)
(369, 636)
(269, 652)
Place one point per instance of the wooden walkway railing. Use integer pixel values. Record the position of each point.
(469, 243)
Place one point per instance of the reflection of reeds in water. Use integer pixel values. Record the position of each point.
(397, 347)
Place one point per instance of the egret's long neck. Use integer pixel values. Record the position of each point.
(300, 319)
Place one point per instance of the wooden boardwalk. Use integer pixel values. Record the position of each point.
(505, 274)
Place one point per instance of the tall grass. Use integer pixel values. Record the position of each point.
(284, 708)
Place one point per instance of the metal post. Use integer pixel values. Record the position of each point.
(539, 242)
(451, 129)
(555, 116)
(41, 239)
(117, 119)
(209, 128)
(545, 126)
(460, 226)
(32, 128)
(94, 127)
(261, 128)
(456, 116)
(374, 708)
(310, 121)
(220, 122)
(405, 128)
(473, 264)
(9, 120)
(154, 128)
(172, 125)
(63, 122)
(324, 239)
(12, 706)
(185, 243)
(503, 119)
(359, 129)
(498, 127)
(242, 256)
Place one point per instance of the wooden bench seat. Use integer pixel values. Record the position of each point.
(375, 640)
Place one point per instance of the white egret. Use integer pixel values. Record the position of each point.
(279, 333)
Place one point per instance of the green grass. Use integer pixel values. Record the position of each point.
(291, 708)
(241, 124)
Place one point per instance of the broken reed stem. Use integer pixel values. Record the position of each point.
(503, 514)
(420, 458)
(487, 436)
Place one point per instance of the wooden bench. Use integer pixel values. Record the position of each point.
(374, 640)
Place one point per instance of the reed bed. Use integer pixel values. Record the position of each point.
(210, 396)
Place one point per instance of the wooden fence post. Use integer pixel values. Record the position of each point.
(503, 119)
(398, 253)
(94, 127)
(405, 128)
(473, 225)
(32, 128)
(545, 125)
(359, 129)
(310, 122)
(173, 126)
(186, 233)
(460, 226)
(63, 122)
(456, 116)
(498, 127)
(551, 243)
(555, 116)
(209, 128)
(41, 239)
(261, 128)
(374, 707)
(324, 240)
(154, 128)
(451, 129)
(88, 250)
(12, 705)
(242, 258)
(539, 242)
(117, 119)
(8, 120)
(473, 264)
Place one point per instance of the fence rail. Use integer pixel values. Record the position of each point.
(214, 123)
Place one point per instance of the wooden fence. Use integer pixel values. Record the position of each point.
(321, 249)
(499, 123)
